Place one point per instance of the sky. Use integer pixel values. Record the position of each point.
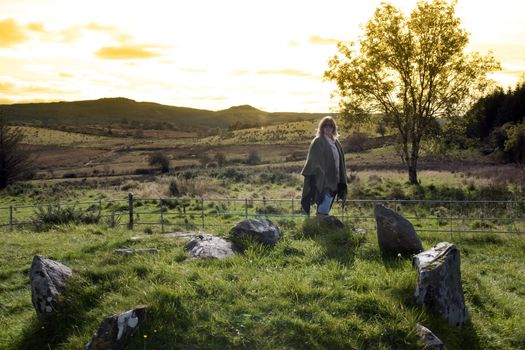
(209, 54)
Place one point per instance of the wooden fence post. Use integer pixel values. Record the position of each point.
(130, 200)
(161, 215)
(11, 217)
(202, 212)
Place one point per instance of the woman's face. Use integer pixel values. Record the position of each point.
(328, 129)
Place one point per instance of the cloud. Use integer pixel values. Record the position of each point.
(317, 40)
(292, 72)
(7, 86)
(240, 72)
(194, 70)
(73, 33)
(6, 101)
(11, 33)
(36, 27)
(209, 98)
(125, 52)
(113, 31)
(100, 27)
(20, 88)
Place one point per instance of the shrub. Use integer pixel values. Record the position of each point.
(220, 158)
(357, 141)
(160, 160)
(232, 174)
(253, 158)
(19, 188)
(46, 217)
(269, 210)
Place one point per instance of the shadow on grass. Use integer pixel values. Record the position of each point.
(71, 316)
(339, 243)
(464, 337)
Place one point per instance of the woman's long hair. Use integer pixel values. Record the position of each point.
(323, 122)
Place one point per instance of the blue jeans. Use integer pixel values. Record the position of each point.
(326, 203)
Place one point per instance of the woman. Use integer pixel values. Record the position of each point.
(325, 170)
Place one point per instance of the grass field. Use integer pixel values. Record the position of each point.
(330, 291)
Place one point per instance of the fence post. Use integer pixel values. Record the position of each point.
(130, 200)
(293, 211)
(202, 212)
(11, 217)
(161, 216)
(99, 209)
(246, 208)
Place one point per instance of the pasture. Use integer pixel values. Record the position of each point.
(330, 291)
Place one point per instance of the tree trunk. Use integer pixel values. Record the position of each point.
(412, 163)
(412, 173)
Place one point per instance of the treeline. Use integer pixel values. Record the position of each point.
(497, 121)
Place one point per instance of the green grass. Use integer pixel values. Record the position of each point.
(309, 291)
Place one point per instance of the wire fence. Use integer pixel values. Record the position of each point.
(176, 214)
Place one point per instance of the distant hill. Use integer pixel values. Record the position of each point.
(107, 111)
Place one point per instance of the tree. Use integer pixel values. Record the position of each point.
(14, 159)
(160, 160)
(515, 143)
(413, 69)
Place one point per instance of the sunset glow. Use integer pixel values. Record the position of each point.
(208, 54)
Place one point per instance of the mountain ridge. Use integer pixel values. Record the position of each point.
(111, 110)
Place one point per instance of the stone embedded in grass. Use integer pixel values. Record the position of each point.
(429, 339)
(114, 330)
(259, 230)
(48, 280)
(208, 246)
(123, 251)
(439, 282)
(395, 234)
(319, 225)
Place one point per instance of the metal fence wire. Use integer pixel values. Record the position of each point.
(190, 213)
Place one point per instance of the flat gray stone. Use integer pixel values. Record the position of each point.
(183, 235)
(123, 251)
(208, 246)
(395, 234)
(48, 280)
(439, 283)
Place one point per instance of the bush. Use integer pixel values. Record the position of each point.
(232, 174)
(46, 217)
(269, 210)
(220, 158)
(160, 160)
(253, 158)
(19, 188)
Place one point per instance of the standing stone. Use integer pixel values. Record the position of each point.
(114, 330)
(48, 280)
(395, 234)
(439, 282)
(208, 246)
(260, 230)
